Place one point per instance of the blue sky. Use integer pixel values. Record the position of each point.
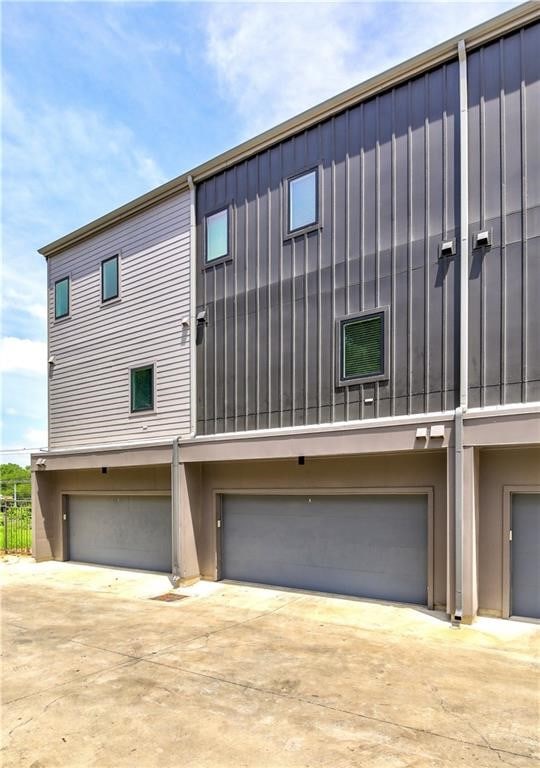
(101, 101)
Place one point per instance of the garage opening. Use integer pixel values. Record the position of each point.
(123, 531)
(364, 545)
(525, 555)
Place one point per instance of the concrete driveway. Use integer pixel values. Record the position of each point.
(97, 674)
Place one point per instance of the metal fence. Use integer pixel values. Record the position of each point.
(15, 526)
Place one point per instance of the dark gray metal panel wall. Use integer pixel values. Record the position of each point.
(504, 194)
(388, 188)
(526, 555)
(390, 194)
(370, 546)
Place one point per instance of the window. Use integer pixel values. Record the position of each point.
(302, 196)
(217, 235)
(142, 388)
(361, 347)
(109, 279)
(61, 298)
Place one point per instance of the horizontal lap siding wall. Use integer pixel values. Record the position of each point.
(388, 187)
(89, 386)
(504, 195)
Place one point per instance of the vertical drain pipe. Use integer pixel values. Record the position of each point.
(176, 518)
(463, 330)
(193, 307)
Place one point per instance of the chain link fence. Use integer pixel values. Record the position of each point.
(15, 526)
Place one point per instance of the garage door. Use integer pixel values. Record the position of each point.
(370, 546)
(126, 531)
(526, 554)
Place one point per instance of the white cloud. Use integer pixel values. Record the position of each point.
(23, 356)
(275, 60)
(37, 310)
(32, 441)
(69, 161)
(35, 438)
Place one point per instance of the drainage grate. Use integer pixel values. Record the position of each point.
(168, 597)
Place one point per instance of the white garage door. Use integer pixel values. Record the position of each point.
(126, 531)
(371, 546)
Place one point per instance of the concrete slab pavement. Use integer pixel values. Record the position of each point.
(97, 674)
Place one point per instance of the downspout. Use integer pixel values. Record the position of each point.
(463, 331)
(193, 305)
(176, 517)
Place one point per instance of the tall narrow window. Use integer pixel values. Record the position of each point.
(142, 388)
(362, 348)
(61, 298)
(217, 235)
(302, 196)
(109, 279)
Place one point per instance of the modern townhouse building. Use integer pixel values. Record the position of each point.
(314, 361)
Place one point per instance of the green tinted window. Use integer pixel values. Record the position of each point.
(109, 279)
(61, 298)
(363, 347)
(142, 388)
(217, 235)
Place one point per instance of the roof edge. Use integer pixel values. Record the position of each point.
(504, 23)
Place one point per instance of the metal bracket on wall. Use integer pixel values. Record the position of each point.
(482, 239)
(447, 248)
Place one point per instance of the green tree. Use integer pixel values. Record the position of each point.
(11, 475)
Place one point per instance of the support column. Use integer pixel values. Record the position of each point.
(462, 477)
(47, 525)
(470, 535)
(186, 517)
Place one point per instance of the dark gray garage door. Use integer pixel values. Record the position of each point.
(370, 546)
(126, 531)
(526, 554)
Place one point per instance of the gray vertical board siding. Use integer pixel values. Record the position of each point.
(89, 384)
(388, 170)
(504, 196)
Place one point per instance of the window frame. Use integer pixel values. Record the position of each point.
(317, 224)
(227, 256)
(66, 278)
(143, 367)
(117, 295)
(341, 380)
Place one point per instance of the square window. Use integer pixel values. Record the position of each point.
(302, 196)
(362, 348)
(142, 388)
(217, 235)
(109, 279)
(61, 298)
